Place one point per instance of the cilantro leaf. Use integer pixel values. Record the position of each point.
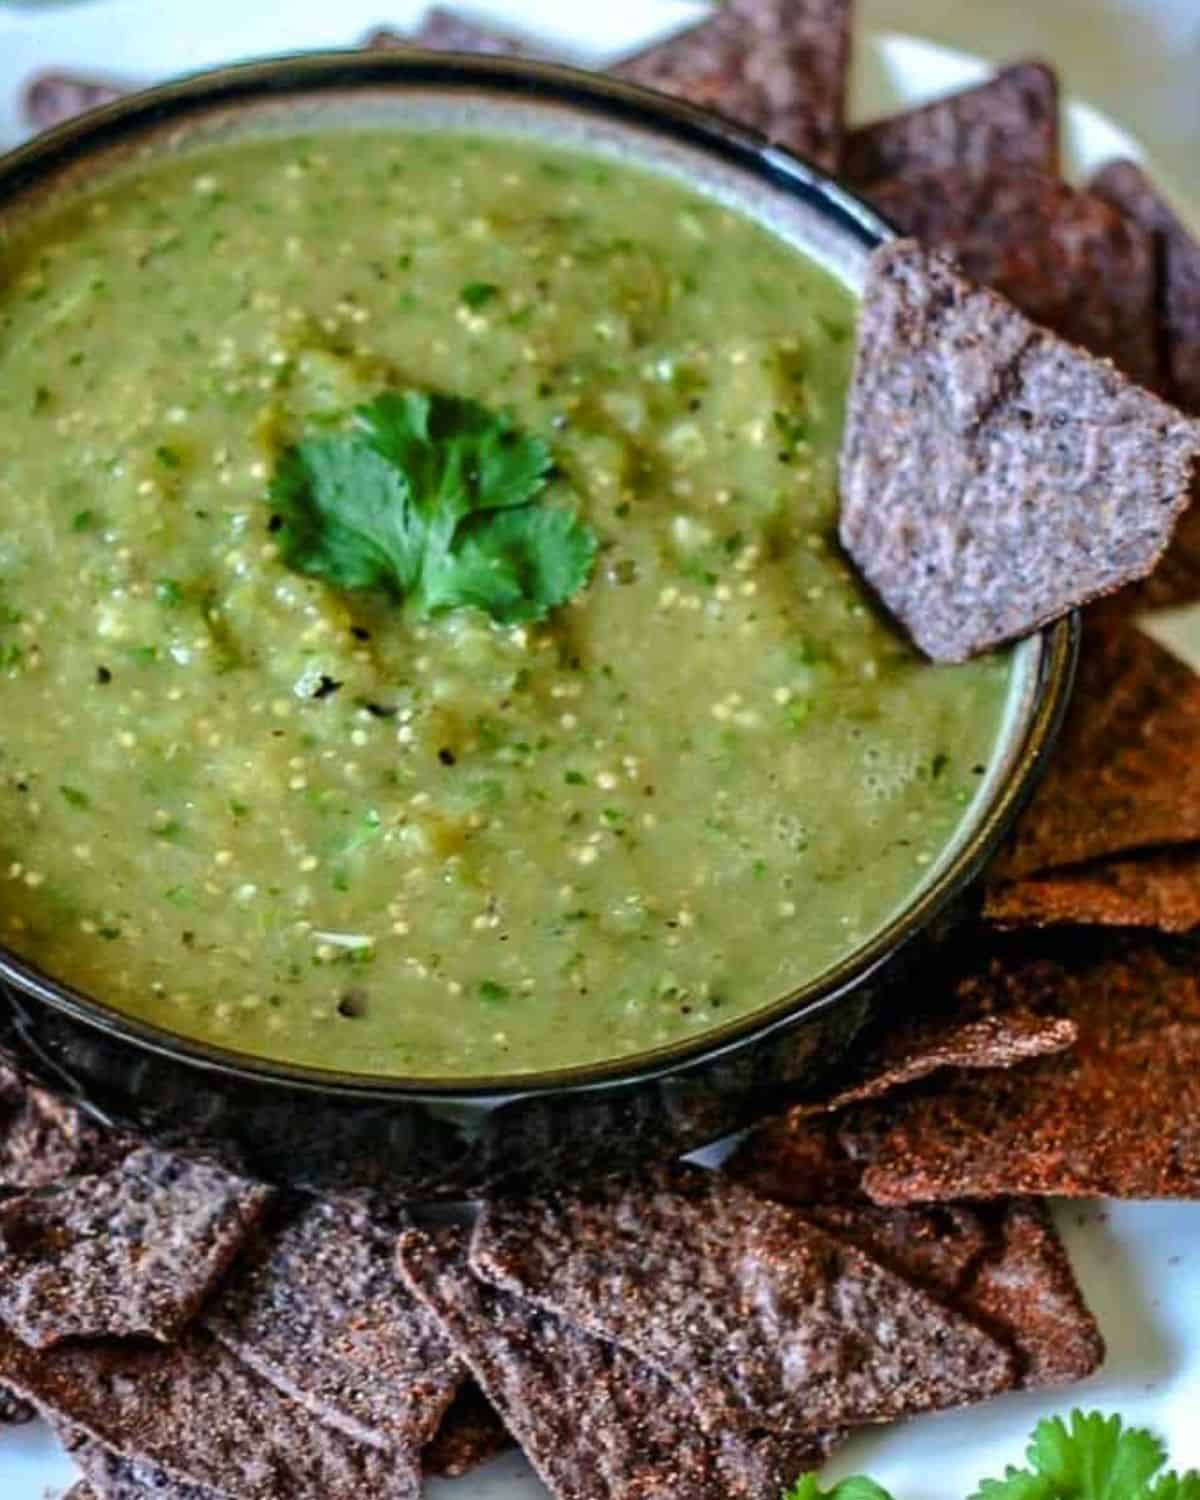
(857, 1487)
(1092, 1458)
(431, 498)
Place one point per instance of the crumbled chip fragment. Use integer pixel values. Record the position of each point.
(1125, 773)
(762, 1318)
(1067, 259)
(316, 1307)
(994, 477)
(132, 1252)
(596, 1423)
(1117, 1116)
(1009, 121)
(1160, 889)
(203, 1418)
(778, 66)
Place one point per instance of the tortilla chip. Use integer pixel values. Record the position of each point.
(471, 1433)
(1068, 260)
(51, 98)
(1127, 187)
(117, 1478)
(595, 1423)
(1159, 890)
(133, 1252)
(758, 1315)
(315, 1308)
(905, 1053)
(43, 1139)
(1119, 1116)
(1125, 774)
(204, 1418)
(1009, 121)
(1002, 1265)
(446, 31)
(992, 476)
(778, 66)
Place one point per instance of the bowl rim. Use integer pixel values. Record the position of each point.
(28, 166)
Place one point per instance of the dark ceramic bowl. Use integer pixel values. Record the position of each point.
(441, 1138)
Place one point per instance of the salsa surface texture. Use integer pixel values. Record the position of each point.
(302, 822)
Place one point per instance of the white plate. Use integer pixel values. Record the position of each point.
(1139, 1263)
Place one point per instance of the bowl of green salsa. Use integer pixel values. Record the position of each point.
(441, 736)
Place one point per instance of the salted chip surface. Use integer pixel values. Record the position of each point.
(1117, 1116)
(992, 476)
(132, 1252)
(203, 1418)
(1128, 188)
(317, 1308)
(1002, 1264)
(778, 66)
(1067, 259)
(1159, 890)
(471, 1433)
(595, 1422)
(761, 1317)
(1125, 773)
(1009, 121)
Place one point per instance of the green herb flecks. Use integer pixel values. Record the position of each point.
(434, 500)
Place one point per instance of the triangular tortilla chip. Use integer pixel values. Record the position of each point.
(763, 1320)
(1068, 260)
(778, 66)
(592, 1420)
(314, 1308)
(992, 476)
(132, 1252)
(1160, 890)
(1009, 121)
(1118, 1116)
(1125, 773)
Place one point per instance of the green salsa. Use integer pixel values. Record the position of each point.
(315, 825)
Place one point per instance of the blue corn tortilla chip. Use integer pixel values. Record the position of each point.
(595, 1423)
(994, 477)
(203, 1418)
(1125, 774)
(130, 1252)
(1118, 1116)
(778, 66)
(1011, 120)
(1068, 260)
(447, 31)
(315, 1307)
(756, 1313)
(1127, 187)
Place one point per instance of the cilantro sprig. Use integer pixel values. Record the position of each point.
(1089, 1457)
(435, 500)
